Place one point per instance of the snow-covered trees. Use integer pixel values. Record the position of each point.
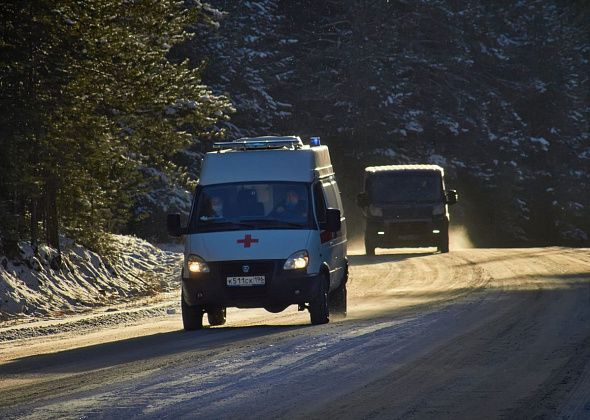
(88, 98)
(248, 56)
(496, 91)
(97, 101)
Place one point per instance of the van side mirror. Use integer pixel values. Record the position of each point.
(333, 223)
(173, 225)
(451, 197)
(362, 199)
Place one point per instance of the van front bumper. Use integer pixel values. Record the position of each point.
(281, 288)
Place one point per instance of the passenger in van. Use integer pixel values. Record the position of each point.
(217, 206)
(293, 207)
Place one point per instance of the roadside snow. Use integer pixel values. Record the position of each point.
(36, 286)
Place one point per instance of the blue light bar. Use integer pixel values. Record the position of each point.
(314, 141)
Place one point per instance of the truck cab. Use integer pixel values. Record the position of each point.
(266, 230)
(405, 206)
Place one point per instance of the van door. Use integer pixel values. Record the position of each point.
(333, 245)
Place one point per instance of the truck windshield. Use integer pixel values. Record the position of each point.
(405, 187)
(272, 205)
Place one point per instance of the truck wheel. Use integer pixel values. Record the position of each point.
(216, 316)
(192, 316)
(443, 245)
(276, 308)
(369, 246)
(318, 307)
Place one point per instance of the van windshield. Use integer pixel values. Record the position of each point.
(259, 205)
(405, 187)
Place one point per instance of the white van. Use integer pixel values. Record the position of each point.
(266, 230)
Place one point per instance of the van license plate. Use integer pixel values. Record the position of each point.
(246, 281)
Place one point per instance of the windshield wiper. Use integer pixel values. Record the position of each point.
(229, 222)
(275, 221)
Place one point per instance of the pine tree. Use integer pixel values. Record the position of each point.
(89, 98)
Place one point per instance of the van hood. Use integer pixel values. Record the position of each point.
(240, 245)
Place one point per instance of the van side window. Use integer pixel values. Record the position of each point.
(320, 202)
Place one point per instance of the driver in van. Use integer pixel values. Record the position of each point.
(293, 207)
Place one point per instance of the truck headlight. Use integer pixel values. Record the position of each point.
(196, 264)
(438, 210)
(375, 211)
(297, 261)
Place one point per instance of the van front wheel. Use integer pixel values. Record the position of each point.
(216, 316)
(192, 316)
(318, 307)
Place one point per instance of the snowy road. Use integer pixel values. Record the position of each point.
(483, 333)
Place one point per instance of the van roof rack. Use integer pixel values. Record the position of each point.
(258, 143)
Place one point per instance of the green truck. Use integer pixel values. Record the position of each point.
(406, 206)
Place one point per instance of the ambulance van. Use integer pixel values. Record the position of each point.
(266, 230)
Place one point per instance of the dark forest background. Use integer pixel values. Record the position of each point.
(107, 106)
(495, 92)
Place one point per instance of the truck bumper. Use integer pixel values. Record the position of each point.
(415, 233)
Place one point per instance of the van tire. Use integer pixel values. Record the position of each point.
(337, 301)
(318, 307)
(216, 316)
(192, 316)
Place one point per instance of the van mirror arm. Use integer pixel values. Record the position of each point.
(451, 197)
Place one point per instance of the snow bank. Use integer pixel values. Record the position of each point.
(38, 286)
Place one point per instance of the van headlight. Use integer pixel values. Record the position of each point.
(438, 210)
(297, 261)
(196, 264)
(375, 211)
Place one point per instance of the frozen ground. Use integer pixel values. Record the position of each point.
(483, 333)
